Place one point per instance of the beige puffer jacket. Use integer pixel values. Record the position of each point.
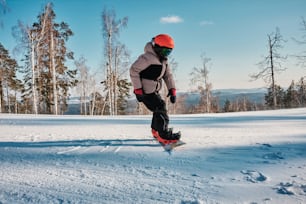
(148, 71)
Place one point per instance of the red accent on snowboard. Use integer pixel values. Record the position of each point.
(171, 146)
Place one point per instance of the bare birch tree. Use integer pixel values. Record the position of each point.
(28, 41)
(33, 39)
(171, 107)
(82, 87)
(271, 64)
(200, 77)
(111, 30)
(86, 87)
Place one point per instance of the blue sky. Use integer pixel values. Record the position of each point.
(233, 33)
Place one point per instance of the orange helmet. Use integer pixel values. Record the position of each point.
(164, 40)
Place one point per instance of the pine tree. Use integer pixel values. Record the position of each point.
(279, 94)
(227, 106)
(58, 77)
(46, 77)
(8, 80)
(123, 93)
(291, 99)
(301, 90)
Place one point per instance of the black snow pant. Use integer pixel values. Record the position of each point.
(160, 119)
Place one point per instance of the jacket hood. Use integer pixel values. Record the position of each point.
(149, 48)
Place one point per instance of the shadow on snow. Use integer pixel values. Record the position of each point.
(82, 143)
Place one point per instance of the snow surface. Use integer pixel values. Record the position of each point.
(249, 157)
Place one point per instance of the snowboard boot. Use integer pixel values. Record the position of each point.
(167, 138)
(169, 135)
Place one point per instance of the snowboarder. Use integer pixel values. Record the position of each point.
(147, 73)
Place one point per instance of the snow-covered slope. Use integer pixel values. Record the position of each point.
(250, 157)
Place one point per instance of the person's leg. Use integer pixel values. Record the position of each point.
(160, 119)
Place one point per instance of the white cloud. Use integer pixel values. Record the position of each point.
(205, 23)
(171, 19)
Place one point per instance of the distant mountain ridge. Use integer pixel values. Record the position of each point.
(256, 95)
(236, 91)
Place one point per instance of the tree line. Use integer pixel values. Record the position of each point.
(46, 80)
(272, 64)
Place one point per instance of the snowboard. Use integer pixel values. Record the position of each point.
(170, 147)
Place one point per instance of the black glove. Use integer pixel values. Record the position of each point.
(139, 95)
(172, 94)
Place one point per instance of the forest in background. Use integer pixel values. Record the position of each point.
(42, 82)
